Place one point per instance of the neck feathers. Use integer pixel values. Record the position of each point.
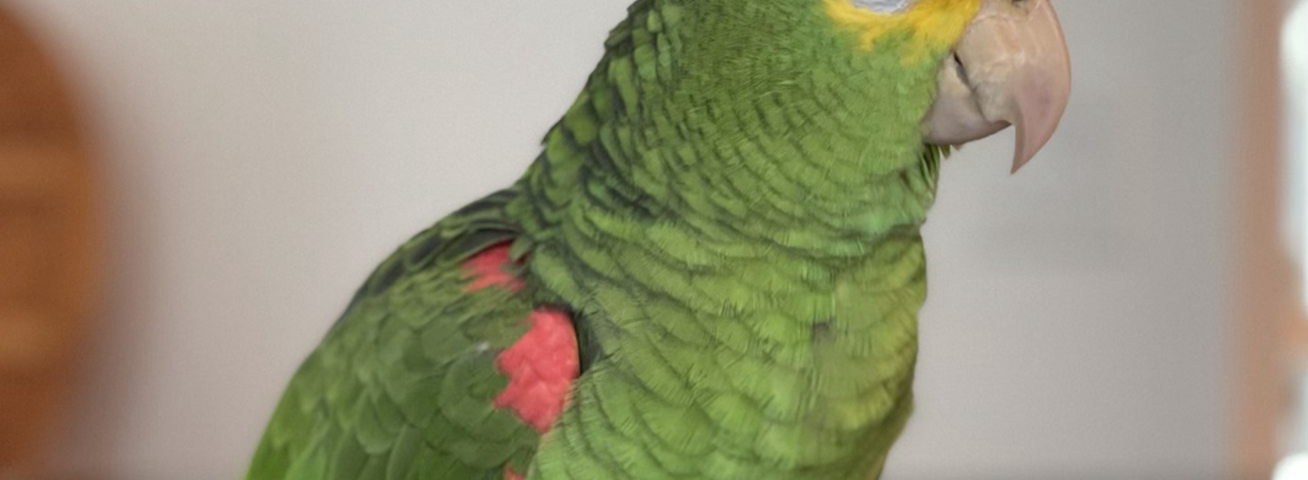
(817, 149)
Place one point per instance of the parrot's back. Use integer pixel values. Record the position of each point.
(712, 270)
(406, 385)
(650, 300)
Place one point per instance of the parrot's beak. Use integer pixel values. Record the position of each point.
(1011, 67)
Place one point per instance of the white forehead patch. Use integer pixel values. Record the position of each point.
(883, 6)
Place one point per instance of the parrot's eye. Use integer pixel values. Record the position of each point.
(883, 6)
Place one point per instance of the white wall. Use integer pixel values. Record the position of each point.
(264, 155)
(1078, 313)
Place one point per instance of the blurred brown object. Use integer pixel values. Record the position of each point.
(48, 245)
(1269, 302)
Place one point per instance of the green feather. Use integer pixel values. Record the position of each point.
(367, 404)
(731, 211)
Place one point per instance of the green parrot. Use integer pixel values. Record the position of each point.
(712, 270)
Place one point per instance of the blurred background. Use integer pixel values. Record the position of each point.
(191, 191)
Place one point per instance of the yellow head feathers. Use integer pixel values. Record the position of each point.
(933, 25)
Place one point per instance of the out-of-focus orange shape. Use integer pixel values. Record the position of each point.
(49, 236)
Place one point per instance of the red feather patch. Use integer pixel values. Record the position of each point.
(541, 367)
(487, 269)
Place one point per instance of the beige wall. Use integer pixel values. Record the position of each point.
(264, 155)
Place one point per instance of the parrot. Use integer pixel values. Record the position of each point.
(712, 269)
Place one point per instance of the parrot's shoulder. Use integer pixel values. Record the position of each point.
(453, 239)
(444, 366)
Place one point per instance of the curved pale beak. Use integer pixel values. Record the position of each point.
(1011, 67)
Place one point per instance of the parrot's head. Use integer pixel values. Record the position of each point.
(945, 72)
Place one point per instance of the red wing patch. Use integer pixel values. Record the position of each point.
(487, 269)
(541, 367)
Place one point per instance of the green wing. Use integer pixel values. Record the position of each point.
(402, 386)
